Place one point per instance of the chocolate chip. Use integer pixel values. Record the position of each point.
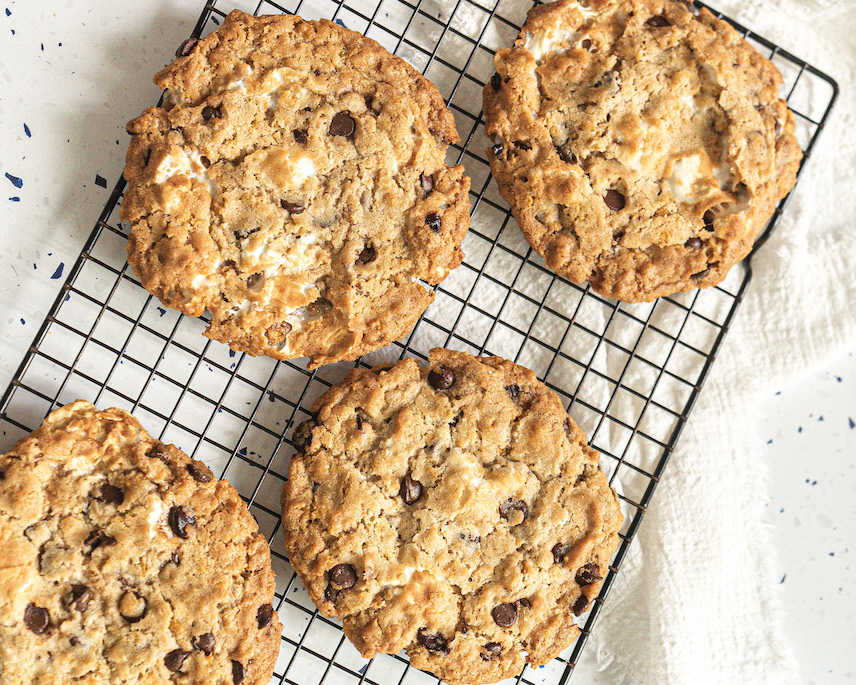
(524, 602)
(158, 452)
(432, 642)
(342, 125)
(441, 378)
(36, 619)
(708, 219)
(330, 593)
(300, 136)
(179, 518)
(560, 551)
(657, 21)
(264, 615)
(512, 504)
(567, 426)
(110, 494)
(186, 47)
(255, 281)
(519, 144)
(367, 255)
(497, 149)
(614, 200)
(319, 307)
(292, 207)
(209, 113)
(132, 607)
(567, 156)
(513, 391)
(433, 222)
(238, 672)
(240, 235)
(204, 643)
(586, 44)
(495, 82)
(504, 615)
(588, 574)
(205, 161)
(427, 183)
(98, 539)
(491, 651)
(199, 473)
(695, 243)
(175, 659)
(342, 576)
(79, 597)
(410, 490)
(580, 605)
(302, 435)
(73, 641)
(701, 274)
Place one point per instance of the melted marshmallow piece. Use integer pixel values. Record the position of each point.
(692, 178)
(181, 163)
(557, 38)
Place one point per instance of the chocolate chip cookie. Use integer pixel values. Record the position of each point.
(455, 512)
(293, 184)
(641, 144)
(125, 561)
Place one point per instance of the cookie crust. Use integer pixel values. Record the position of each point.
(641, 144)
(455, 512)
(294, 185)
(125, 561)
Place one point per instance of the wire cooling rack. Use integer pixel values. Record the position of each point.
(629, 373)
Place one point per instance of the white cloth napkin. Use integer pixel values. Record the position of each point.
(696, 600)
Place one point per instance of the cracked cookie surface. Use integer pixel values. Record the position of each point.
(641, 144)
(455, 512)
(294, 185)
(125, 561)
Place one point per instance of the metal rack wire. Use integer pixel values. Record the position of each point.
(629, 374)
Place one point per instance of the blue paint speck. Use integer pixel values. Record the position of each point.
(214, 19)
(14, 180)
(100, 181)
(820, 418)
(43, 47)
(162, 311)
(838, 379)
(851, 423)
(27, 131)
(341, 23)
(243, 451)
(15, 199)
(23, 322)
(363, 668)
(8, 12)
(58, 272)
(770, 441)
(799, 430)
(231, 353)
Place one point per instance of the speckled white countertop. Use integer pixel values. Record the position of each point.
(72, 72)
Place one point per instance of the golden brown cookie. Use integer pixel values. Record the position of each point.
(455, 512)
(641, 144)
(294, 185)
(125, 561)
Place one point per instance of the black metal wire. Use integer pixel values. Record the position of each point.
(150, 348)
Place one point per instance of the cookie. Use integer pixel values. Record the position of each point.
(454, 512)
(641, 144)
(125, 561)
(293, 184)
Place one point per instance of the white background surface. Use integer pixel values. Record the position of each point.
(74, 71)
